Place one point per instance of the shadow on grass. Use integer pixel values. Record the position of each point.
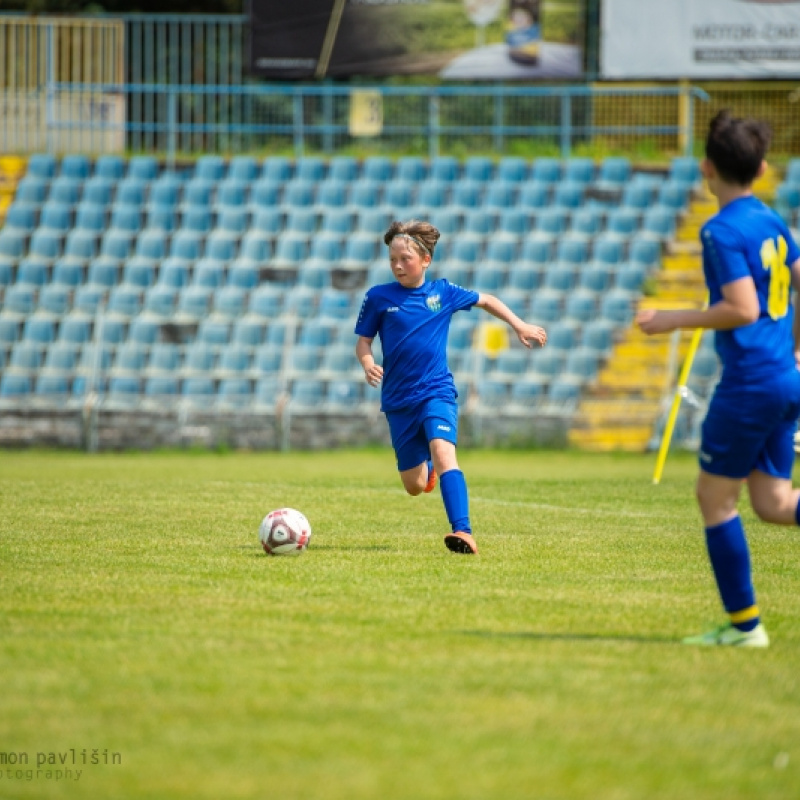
(568, 637)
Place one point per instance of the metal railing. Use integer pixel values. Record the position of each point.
(185, 121)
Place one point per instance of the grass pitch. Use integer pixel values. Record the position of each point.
(140, 621)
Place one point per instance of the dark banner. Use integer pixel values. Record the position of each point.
(454, 39)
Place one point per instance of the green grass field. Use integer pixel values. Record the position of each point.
(139, 617)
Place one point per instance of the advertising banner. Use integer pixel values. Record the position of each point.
(454, 39)
(700, 39)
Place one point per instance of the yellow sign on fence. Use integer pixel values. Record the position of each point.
(366, 113)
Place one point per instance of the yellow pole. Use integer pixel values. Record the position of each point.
(676, 404)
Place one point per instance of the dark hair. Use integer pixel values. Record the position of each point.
(421, 234)
(736, 147)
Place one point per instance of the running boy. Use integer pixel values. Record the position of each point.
(412, 317)
(750, 263)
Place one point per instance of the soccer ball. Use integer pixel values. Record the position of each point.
(284, 532)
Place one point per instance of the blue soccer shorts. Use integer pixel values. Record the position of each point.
(752, 427)
(413, 428)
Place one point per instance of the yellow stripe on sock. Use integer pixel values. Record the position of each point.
(744, 615)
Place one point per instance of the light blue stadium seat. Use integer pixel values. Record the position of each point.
(130, 357)
(534, 196)
(229, 301)
(125, 300)
(152, 245)
(248, 332)
(445, 168)
(198, 193)
(513, 224)
(546, 362)
(186, 245)
(162, 219)
(234, 359)
(88, 298)
(617, 306)
(126, 218)
(92, 218)
(572, 250)
(162, 388)
(200, 357)
(378, 168)
(373, 220)
(221, 246)
(33, 271)
(75, 328)
(214, 332)
(607, 249)
(560, 276)
(197, 219)
(42, 165)
(21, 218)
(12, 244)
(32, 190)
(624, 222)
(569, 194)
(614, 170)
(55, 299)
(359, 251)
(131, 192)
(581, 305)
(513, 168)
(144, 168)
(331, 194)
(563, 394)
(398, 195)
(685, 169)
(174, 272)
(266, 302)
(526, 393)
(645, 251)
(56, 217)
(411, 168)
(307, 394)
(659, 222)
(467, 194)
(337, 220)
(161, 300)
(267, 223)
(546, 306)
(477, 224)
(582, 364)
(546, 170)
(596, 276)
(20, 298)
(139, 272)
(6, 273)
(630, 276)
(579, 170)
(343, 168)
(343, 395)
(314, 274)
(27, 356)
(61, 357)
(536, 250)
(144, 329)
(334, 304)
(598, 334)
(234, 393)
(432, 194)
(365, 193)
(302, 221)
(194, 302)
(525, 276)
(305, 360)
(65, 190)
(232, 194)
(267, 359)
(243, 275)
(552, 222)
(199, 391)
(117, 245)
(509, 365)
(267, 391)
(674, 195)
(489, 278)
(98, 192)
(301, 302)
(243, 168)
(14, 386)
(278, 168)
(165, 194)
(500, 195)
(298, 194)
(310, 168)
(467, 251)
(291, 249)
(492, 394)
(109, 167)
(81, 245)
(563, 335)
(316, 333)
(638, 196)
(10, 328)
(265, 194)
(210, 168)
(586, 221)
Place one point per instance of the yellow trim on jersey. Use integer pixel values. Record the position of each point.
(744, 615)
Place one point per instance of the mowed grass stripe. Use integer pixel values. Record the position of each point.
(138, 614)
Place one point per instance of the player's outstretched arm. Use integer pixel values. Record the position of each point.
(372, 372)
(528, 334)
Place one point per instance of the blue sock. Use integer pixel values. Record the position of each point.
(797, 513)
(456, 501)
(730, 560)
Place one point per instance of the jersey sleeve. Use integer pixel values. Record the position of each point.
(368, 317)
(725, 254)
(461, 299)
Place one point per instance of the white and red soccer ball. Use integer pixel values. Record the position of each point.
(284, 532)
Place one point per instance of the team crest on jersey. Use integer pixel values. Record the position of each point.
(434, 302)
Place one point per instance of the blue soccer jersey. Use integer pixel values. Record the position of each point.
(413, 325)
(748, 239)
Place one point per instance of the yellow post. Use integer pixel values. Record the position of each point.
(491, 338)
(676, 404)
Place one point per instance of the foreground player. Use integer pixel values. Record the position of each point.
(750, 263)
(412, 317)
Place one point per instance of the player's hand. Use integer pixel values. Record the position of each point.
(651, 321)
(530, 335)
(373, 374)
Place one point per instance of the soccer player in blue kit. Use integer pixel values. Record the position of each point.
(412, 317)
(750, 263)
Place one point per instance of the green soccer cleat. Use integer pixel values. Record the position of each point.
(728, 636)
